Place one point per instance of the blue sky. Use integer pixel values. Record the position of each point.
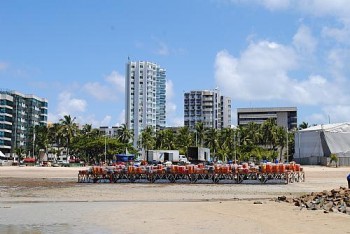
(261, 53)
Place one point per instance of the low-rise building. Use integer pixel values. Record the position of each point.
(284, 116)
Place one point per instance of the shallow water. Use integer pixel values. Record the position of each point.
(51, 217)
(52, 228)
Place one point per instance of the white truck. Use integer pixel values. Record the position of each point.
(165, 156)
(198, 154)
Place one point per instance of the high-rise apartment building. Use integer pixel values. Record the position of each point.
(208, 107)
(145, 97)
(19, 113)
(284, 116)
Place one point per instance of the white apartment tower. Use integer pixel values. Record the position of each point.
(145, 97)
(208, 107)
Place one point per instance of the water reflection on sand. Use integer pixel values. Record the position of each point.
(48, 217)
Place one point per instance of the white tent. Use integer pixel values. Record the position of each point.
(315, 144)
(1, 154)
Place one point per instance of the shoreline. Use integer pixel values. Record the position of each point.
(63, 205)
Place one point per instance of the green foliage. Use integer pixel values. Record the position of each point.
(147, 138)
(253, 141)
(184, 139)
(334, 159)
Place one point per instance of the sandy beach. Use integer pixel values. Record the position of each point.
(49, 200)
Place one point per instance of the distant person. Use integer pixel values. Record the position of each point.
(348, 178)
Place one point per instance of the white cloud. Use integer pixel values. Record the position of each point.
(336, 8)
(169, 89)
(117, 80)
(269, 4)
(177, 122)
(259, 74)
(96, 123)
(106, 120)
(67, 105)
(120, 118)
(338, 63)
(170, 105)
(319, 69)
(340, 35)
(304, 41)
(262, 73)
(276, 4)
(99, 91)
(316, 118)
(115, 84)
(330, 113)
(162, 49)
(53, 118)
(337, 113)
(173, 118)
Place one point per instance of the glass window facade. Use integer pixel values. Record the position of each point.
(18, 114)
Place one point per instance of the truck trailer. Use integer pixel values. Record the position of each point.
(164, 156)
(198, 154)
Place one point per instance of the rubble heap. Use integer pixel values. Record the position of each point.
(336, 200)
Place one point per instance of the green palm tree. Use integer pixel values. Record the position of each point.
(259, 153)
(200, 130)
(303, 125)
(68, 129)
(55, 139)
(211, 140)
(86, 129)
(227, 142)
(267, 132)
(280, 134)
(147, 138)
(183, 139)
(124, 134)
(253, 132)
(165, 139)
(19, 152)
(42, 137)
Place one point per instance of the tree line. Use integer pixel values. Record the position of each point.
(253, 141)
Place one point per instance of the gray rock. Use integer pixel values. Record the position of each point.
(328, 206)
(348, 210)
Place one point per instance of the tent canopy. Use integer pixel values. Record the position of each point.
(1, 154)
(323, 140)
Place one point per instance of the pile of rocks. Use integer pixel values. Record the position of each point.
(336, 200)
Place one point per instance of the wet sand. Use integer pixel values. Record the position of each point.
(48, 200)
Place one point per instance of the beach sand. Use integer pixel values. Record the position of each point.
(49, 200)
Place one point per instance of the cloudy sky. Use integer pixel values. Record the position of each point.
(261, 53)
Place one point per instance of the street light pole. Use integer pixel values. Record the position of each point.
(235, 143)
(105, 148)
(33, 140)
(287, 147)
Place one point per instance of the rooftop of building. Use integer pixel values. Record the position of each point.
(13, 92)
(265, 109)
